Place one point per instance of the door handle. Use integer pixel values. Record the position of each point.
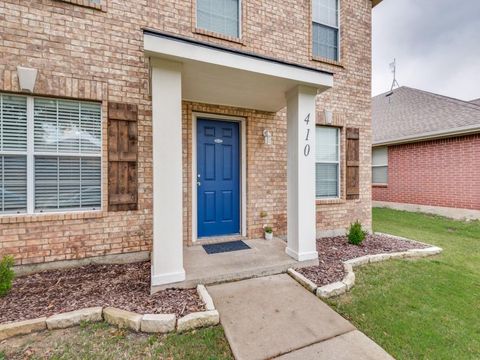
(199, 183)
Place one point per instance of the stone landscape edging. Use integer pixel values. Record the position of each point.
(147, 323)
(348, 281)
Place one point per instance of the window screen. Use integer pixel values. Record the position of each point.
(325, 29)
(62, 157)
(219, 16)
(13, 151)
(67, 154)
(380, 165)
(327, 158)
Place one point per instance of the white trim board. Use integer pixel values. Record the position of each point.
(243, 170)
(213, 75)
(155, 45)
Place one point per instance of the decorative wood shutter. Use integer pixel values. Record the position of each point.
(122, 157)
(353, 164)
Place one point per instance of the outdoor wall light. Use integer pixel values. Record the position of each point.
(328, 117)
(26, 78)
(267, 136)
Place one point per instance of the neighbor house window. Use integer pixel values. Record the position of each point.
(327, 159)
(325, 29)
(50, 154)
(380, 165)
(219, 16)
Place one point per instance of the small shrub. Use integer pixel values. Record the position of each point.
(268, 229)
(6, 274)
(356, 234)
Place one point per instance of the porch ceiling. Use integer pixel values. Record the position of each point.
(215, 75)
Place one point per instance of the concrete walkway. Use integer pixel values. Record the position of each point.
(274, 316)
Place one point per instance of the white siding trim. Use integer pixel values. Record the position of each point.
(30, 157)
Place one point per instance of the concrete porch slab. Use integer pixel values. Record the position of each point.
(274, 315)
(266, 257)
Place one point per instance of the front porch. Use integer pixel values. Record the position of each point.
(262, 259)
(187, 72)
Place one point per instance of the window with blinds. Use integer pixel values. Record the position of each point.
(62, 155)
(380, 165)
(13, 154)
(219, 16)
(327, 162)
(325, 27)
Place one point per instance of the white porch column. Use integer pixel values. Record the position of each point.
(167, 255)
(301, 219)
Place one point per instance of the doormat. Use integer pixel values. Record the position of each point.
(225, 247)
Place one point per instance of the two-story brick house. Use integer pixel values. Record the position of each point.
(156, 124)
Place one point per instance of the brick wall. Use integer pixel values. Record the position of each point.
(97, 54)
(438, 173)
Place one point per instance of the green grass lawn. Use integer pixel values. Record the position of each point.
(421, 309)
(101, 341)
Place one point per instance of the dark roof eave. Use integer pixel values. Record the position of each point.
(429, 136)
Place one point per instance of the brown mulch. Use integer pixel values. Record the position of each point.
(125, 286)
(333, 250)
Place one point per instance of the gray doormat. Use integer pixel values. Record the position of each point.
(225, 247)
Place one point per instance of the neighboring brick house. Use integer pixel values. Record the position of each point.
(137, 105)
(426, 152)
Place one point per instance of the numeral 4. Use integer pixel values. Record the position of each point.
(307, 119)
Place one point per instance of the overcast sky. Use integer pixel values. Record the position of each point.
(436, 44)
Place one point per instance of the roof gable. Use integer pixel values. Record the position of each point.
(408, 113)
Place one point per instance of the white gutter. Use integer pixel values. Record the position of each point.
(433, 135)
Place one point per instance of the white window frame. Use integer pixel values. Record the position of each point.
(380, 165)
(240, 16)
(31, 163)
(338, 162)
(339, 39)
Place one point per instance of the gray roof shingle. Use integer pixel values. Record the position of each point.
(411, 113)
(476, 101)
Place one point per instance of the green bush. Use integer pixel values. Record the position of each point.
(268, 229)
(356, 234)
(6, 274)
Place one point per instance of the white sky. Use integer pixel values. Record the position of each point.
(436, 44)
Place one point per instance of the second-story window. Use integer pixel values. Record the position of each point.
(325, 29)
(219, 16)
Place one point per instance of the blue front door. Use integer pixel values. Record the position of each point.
(218, 172)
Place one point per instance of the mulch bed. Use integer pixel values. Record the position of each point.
(125, 286)
(333, 250)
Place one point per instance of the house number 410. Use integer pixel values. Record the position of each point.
(306, 149)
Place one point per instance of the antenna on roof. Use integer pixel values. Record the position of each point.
(393, 68)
